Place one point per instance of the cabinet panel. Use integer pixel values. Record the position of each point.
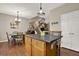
(27, 40)
(28, 49)
(37, 52)
(28, 45)
(38, 48)
(39, 44)
(75, 44)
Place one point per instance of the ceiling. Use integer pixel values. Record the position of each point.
(27, 10)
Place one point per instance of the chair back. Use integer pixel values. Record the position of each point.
(8, 36)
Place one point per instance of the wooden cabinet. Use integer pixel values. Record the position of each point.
(36, 47)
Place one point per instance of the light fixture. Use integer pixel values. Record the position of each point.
(17, 19)
(41, 13)
(16, 22)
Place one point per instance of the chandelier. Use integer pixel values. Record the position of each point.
(16, 22)
(17, 19)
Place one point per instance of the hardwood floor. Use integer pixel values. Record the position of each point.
(6, 50)
(68, 52)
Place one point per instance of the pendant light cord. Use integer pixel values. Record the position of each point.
(40, 6)
(17, 15)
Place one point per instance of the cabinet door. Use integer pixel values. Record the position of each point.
(70, 22)
(75, 35)
(66, 40)
(75, 44)
(28, 45)
(38, 48)
(37, 52)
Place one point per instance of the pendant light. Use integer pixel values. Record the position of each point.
(41, 13)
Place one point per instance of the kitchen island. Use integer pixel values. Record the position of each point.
(37, 45)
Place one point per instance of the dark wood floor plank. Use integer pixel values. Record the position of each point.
(6, 50)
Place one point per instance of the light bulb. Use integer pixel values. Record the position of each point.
(40, 11)
(15, 19)
(19, 20)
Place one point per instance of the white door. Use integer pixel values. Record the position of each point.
(70, 30)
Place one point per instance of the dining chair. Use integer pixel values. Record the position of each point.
(10, 40)
(19, 39)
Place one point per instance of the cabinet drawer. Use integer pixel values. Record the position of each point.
(38, 43)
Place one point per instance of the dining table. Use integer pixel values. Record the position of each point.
(15, 36)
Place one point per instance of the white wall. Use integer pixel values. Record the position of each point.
(54, 18)
(55, 14)
(5, 25)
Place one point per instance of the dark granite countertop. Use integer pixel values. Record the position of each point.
(46, 38)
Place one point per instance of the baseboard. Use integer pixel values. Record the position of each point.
(70, 49)
(4, 41)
